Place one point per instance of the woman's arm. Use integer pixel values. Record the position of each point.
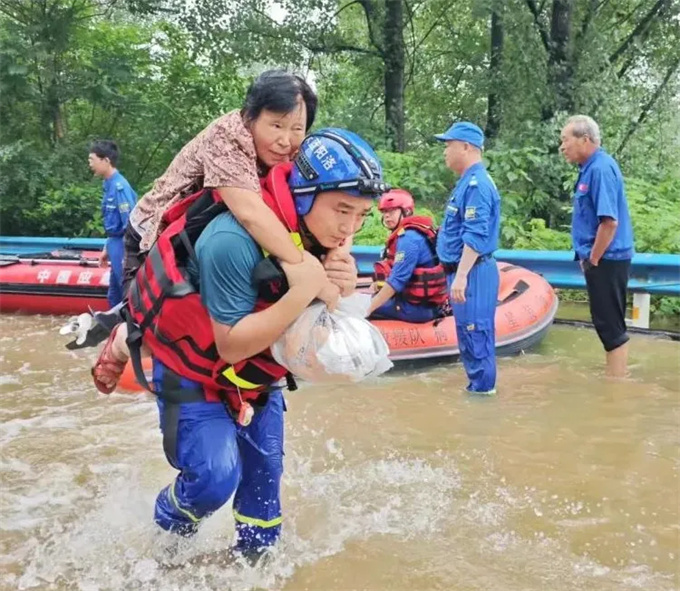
(261, 223)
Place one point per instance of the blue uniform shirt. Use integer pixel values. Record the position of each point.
(472, 217)
(225, 281)
(599, 192)
(413, 250)
(117, 203)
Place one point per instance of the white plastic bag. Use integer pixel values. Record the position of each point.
(333, 347)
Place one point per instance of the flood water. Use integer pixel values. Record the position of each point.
(564, 481)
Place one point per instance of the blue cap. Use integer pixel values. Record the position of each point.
(463, 131)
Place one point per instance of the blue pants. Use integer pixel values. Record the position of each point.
(400, 310)
(475, 326)
(217, 459)
(115, 250)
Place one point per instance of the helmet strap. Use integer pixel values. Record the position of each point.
(315, 248)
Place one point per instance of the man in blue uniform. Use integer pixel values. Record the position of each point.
(602, 235)
(409, 282)
(117, 202)
(466, 242)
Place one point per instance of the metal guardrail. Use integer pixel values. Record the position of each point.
(657, 274)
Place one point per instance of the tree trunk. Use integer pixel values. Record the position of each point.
(58, 123)
(394, 59)
(650, 104)
(494, 110)
(56, 115)
(560, 67)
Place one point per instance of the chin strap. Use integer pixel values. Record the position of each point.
(315, 249)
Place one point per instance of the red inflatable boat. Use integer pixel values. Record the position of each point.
(525, 310)
(71, 282)
(60, 282)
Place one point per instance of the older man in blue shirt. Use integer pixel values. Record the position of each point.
(602, 234)
(467, 239)
(117, 202)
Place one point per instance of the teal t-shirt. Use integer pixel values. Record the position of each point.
(227, 257)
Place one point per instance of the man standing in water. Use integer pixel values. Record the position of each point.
(117, 202)
(210, 329)
(467, 239)
(602, 235)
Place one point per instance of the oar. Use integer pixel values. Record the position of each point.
(14, 259)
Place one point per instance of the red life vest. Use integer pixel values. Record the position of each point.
(167, 309)
(427, 285)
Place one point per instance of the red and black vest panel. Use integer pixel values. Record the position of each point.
(427, 285)
(174, 323)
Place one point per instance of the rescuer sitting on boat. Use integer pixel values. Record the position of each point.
(409, 282)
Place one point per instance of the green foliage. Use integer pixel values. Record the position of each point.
(77, 207)
(666, 307)
(421, 172)
(654, 209)
(535, 236)
(28, 176)
(139, 84)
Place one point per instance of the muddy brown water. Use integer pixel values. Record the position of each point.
(564, 481)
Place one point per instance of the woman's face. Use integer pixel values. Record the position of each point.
(277, 136)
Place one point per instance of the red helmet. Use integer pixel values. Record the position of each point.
(396, 198)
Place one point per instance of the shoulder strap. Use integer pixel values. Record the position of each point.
(134, 343)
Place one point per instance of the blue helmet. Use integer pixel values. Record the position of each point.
(335, 160)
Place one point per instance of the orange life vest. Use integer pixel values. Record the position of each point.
(427, 285)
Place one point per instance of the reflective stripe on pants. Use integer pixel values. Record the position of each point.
(218, 459)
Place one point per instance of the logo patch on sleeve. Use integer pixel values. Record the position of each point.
(470, 213)
(399, 257)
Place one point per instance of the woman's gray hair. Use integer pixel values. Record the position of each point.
(584, 126)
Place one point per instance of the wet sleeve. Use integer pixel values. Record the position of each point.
(229, 159)
(405, 261)
(225, 281)
(603, 193)
(476, 217)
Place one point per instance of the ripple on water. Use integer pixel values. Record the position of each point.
(519, 492)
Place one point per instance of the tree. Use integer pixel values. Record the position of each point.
(382, 34)
(494, 110)
(140, 85)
